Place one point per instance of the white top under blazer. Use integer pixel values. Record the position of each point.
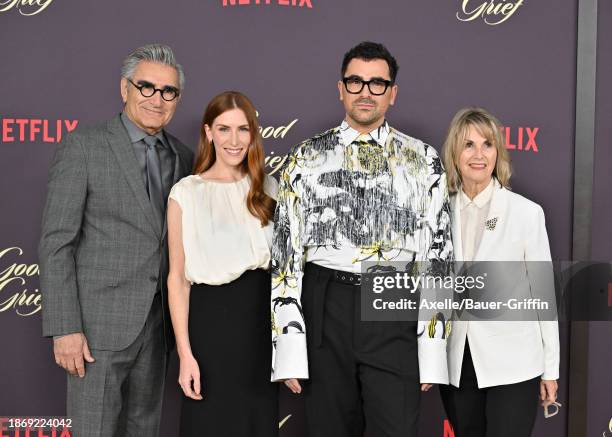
(511, 351)
(473, 215)
(221, 238)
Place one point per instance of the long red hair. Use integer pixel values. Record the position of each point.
(258, 202)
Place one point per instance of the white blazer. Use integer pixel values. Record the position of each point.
(506, 352)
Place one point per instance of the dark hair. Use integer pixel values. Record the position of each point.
(258, 202)
(368, 51)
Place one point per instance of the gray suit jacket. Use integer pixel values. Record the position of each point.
(102, 254)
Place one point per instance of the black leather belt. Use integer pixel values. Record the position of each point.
(346, 277)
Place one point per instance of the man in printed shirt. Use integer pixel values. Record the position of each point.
(360, 191)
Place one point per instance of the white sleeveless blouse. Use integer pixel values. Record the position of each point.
(221, 238)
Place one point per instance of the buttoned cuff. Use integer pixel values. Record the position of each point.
(290, 358)
(432, 361)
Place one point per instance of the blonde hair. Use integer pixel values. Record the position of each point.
(490, 128)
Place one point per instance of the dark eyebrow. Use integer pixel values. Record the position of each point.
(241, 126)
(354, 76)
(149, 84)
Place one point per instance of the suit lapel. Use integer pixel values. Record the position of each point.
(121, 146)
(497, 213)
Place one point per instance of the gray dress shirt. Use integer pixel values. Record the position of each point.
(166, 154)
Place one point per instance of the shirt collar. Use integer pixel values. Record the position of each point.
(136, 134)
(481, 199)
(379, 134)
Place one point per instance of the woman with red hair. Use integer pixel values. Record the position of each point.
(219, 237)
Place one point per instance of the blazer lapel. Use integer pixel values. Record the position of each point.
(121, 146)
(496, 215)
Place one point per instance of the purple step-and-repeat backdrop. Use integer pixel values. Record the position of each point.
(60, 69)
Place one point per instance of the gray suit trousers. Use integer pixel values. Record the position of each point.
(122, 391)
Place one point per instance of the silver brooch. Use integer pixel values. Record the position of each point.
(490, 224)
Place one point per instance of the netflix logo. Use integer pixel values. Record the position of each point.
(521, 138)
(294, 3)
(448, 429)
(22, 130)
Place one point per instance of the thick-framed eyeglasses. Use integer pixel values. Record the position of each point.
(147, 89)
(355, 84)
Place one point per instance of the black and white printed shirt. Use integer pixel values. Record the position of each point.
(344, 198)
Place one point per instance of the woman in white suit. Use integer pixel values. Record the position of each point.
(497, 369)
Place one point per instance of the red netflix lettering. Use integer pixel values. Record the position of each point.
(35, 130)
(71, 125)
(531, 143)
(294, 3)
(520, 138)
(508, 144)
(448, 429)
(6, 130)
(3, 427)
(21, 122)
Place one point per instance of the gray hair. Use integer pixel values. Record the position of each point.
(159, 53)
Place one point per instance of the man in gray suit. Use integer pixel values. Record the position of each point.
(103, 253)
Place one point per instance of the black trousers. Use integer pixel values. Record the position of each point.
(500, 411)
(364, 376)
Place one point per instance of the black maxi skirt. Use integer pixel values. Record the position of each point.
(230, 336)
